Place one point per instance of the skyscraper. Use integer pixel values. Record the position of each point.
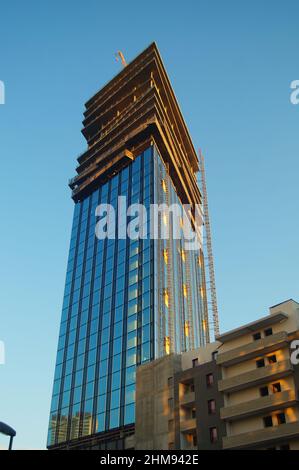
(128, 299)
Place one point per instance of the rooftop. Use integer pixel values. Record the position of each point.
(264, 322)
(135, 109)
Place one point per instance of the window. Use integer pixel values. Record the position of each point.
(129, 414)
(256, 336)
(212, 407)
(260, 363)
(213, 435)
(272, 359)
(264, 391)
(146, 352)
(130, 394)
(130, 375)
(268, 422)
(170, 382)
(185, 290)
(131, 357)
(114, 418)
(209, 380)
(132, 339)
(268, 332)
(195, 362)
(193, 413)
(276, 387)
(281, 418)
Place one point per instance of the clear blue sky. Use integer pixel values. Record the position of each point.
(231, 66)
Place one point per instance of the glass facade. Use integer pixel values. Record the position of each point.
(179, 294)
(126, 302)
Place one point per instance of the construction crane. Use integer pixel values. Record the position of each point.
(119, 56)
(207, 228)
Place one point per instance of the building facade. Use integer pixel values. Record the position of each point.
(240, 392)
(128, 299)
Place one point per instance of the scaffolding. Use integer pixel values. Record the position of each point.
(209, 261)
(170, 286)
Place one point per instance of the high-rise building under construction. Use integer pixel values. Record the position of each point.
(127, 300)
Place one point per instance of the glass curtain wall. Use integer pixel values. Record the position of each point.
(126, 302)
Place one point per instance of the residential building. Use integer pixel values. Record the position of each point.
(240, 392)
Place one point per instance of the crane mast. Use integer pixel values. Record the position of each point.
(210, 259)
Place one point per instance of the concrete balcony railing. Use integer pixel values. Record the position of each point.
(253, 349)
(188, 399)
(260, 405)
(264, 437)
(188, 425)
(255, 377)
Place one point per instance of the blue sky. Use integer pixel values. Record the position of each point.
(231, 66)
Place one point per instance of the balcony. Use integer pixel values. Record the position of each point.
(264, 437)
(256, 377)
(188, 399)
(188, 426)
(260, 405)
(253, 349)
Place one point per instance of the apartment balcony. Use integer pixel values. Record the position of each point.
(188, 399)
(256, 377)
(253, 349)
(262, 437)
(188, 426)
(260, 405)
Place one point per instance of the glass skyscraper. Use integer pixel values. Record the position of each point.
(127, 300)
